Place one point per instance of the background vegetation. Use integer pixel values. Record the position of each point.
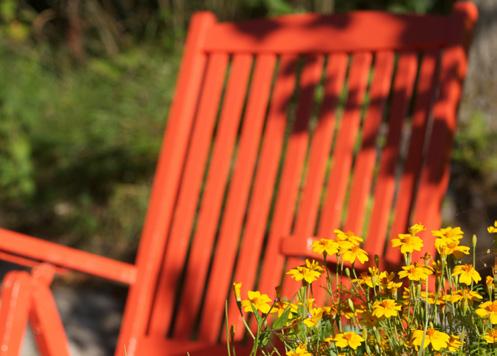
(84, 92)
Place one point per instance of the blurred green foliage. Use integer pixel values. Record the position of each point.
(84, 90)
(476, 150)
(78, 146)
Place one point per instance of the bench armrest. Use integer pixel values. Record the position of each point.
(27, 248)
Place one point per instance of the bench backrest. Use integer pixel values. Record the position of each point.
(293, 126)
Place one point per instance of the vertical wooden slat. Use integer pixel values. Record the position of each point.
(425, 91)
(260, 202)
(189, 194)
(342, 157)
(231, 227)
(384, 189)
(153, 241)
(365, 161)
(291, 175)
(202, 244)
(434, 176)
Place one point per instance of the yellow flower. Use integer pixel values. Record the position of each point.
(406, 296)
(352, 314)
(410, 242)
(301, 350)
(447, 242)
(309, 273)
(489, 281)
(258, 301)
(309, 302)
(385, 308)
(430, 299)
(455, 343)
(315, 315)
(373, 279)
(467, 274)
(347, 339)
(387, 282)
(415, 272)
(281, 306)
(330, 311)
(437, 339)
(355, 253)
(376, 275)
(347, 239)
(493, 229)
(491, 336)
(488, 310)
(458, 251)
(237, 286)
(447, 247)
(449, 233)
(466, 295)
(322, 246)
(416, 229)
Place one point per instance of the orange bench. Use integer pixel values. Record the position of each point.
(281, 130)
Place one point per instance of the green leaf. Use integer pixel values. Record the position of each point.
(282, 320)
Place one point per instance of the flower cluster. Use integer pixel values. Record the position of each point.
(348, 303)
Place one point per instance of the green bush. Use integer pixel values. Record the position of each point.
(76, 143)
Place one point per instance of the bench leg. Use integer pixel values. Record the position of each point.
(45, 319)
(27, 298)
(47, 326)
(14, 311)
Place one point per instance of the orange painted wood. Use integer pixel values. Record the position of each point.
(202, 244)
(250, 249)
(291, 175)
(27, 262)
(307, 213)
(321, 145)
(319, 153)
(189, 193)
(366, 158)
(231, 227)
(14, 311)
(384, 189)
(434, 177)
(159, 346)
(45, 321)
(137, 313)
(343, 154)
(68, 258)
(26, 298)
(358, 31)
(425, 91)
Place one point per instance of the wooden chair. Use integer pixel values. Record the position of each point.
(281, 130)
